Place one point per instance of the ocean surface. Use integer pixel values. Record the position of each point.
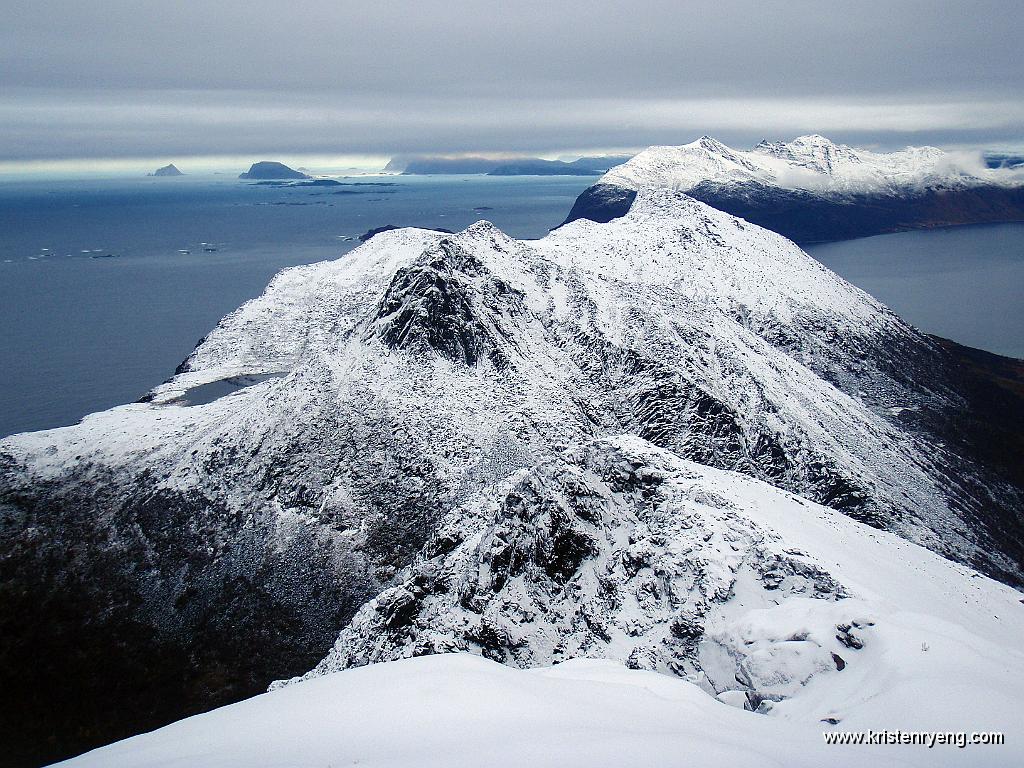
(964, 283)
(106, 285)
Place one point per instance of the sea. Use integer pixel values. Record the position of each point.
(106, 285)
(964, 283)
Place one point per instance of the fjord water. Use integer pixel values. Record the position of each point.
(99, 302)
(963, 283)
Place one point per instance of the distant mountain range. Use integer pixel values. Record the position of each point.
(528, 166)
(812, 189)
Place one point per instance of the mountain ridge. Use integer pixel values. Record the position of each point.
(223, 544)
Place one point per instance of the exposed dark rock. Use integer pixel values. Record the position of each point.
(847, 638)
(688, 626)
(448, 302)
(397, 607)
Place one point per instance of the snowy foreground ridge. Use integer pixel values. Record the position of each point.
(851, 629)
(673, 442)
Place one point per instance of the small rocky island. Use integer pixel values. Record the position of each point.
(168, 170)
(267, 169)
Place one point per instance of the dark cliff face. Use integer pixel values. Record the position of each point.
(809, 218)
(601, 203)
(448, 303)
(992, 423)
(982, 421)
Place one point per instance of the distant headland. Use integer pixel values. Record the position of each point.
(526, 166)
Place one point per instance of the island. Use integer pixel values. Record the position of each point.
(168, 170)
(268, 169)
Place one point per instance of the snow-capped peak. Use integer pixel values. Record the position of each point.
(816, 153)
(711, 144)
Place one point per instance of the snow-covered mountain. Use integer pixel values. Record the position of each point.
(623, 554)
(326, 435)
(810, 163)
(813, 189)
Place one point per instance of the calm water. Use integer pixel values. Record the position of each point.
(98, 303)
(82, 334)
(964, 283)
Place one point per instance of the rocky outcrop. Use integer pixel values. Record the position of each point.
(618, 550)
(614, 550)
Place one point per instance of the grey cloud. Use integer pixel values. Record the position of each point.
(143, 77)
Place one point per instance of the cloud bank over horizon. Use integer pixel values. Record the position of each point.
(147, 79)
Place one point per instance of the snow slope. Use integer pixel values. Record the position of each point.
(460, 711)
(799, 611)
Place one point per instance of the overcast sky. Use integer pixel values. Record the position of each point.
(138, 78)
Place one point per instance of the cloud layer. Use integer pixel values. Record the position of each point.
(145, 78)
